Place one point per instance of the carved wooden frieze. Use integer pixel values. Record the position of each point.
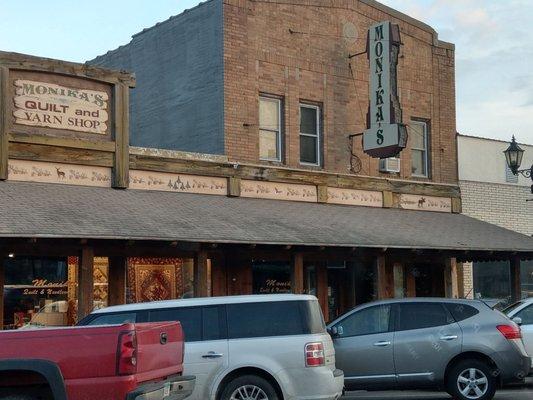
(181, 183)
(68, 174)
(278, 191)
(424, 203)
(353, 197)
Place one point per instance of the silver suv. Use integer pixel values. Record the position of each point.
(461, 346)
(262, 347)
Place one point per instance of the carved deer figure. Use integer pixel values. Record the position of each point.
(60, 174)
(421, 202)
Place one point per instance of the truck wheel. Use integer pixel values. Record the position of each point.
(249, 387)
(471, 380)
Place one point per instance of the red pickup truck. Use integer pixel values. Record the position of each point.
(117, 362)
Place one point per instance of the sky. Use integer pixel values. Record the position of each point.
(494, 55)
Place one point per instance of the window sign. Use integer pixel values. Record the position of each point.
(386, 136)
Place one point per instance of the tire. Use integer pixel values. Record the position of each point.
(249, 387)
(471, 380)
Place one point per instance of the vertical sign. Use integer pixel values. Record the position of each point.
(386, 136)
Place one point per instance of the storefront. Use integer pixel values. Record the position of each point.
(88, 221)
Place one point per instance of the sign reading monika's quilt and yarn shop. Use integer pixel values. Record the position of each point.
(43, 104)
(386, 136)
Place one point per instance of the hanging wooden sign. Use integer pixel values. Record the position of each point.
(61, 107)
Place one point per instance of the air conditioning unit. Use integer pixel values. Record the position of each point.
(390, 165)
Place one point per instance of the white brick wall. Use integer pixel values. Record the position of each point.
(499, 204)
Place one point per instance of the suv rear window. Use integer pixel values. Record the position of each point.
(460, 312)
(422, 315)
(276, 318)
(114, 319)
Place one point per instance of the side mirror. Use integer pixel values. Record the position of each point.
(517, 321)
(335, 331)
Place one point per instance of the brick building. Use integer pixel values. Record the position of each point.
(203, 77)
(237, 167)
(491, 193)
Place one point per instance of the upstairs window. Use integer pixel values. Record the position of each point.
(419, 136)
(269, 129)
(309, 134)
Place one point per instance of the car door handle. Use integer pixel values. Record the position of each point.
(449, 337)
(382, 344)
(212, 354)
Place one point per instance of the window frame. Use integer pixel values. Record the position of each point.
(279, 131)
(426, 150)
(318, 135)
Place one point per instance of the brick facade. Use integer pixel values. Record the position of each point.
(300, 53)
(499, 204)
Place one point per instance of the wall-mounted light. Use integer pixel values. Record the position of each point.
(11, 255)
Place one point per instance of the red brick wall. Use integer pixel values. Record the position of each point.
(261, 55)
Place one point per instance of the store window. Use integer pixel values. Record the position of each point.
(155, 279)
(310, 134)
(271, 277)
(270, 128)
(526, 271)
(419, 136)
(36, 292)
(492, 281)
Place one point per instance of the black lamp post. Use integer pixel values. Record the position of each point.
(513, 156)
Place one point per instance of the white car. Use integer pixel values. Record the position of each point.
(522, 313)
(261, 347)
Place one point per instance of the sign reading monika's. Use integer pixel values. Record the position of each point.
(386, 136)
(43, 104)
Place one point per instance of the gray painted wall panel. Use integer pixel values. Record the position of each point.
(178, 103)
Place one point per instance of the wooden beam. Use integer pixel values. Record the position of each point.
(322, 193)
(297, 275)
(39, 152)
(219, 275)
(85, 282)
(4, 141)
(388, 199)
(382, 278)
(201, 274)
(410, 283)
(451, 285)
(2, 283)
(516, 288)
(234, 186)
(24, 137)
(398, 276)
(122, 139)
(117, 280)
(27, 62)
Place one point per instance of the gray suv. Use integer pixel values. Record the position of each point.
(461, 346)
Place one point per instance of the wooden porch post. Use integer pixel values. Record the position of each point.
(383, 279)
(200, 274)
(85, 282)
(516, 290)
(410, 283)
(117, 280)
(2, 282)
(322, 287)
(450, 278)
(399, 280)
(297, 276)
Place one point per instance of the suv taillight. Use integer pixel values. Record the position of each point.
(510, 331)
(314, 354)
(127, 353)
